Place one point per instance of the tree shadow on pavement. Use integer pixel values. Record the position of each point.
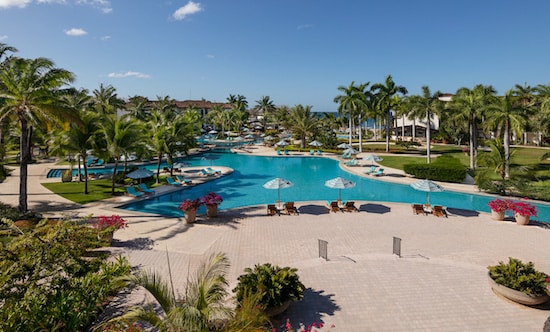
(308, 311)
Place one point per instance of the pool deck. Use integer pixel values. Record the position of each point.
(439, 283)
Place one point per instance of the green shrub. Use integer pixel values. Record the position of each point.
(519, 276)
(277, 285)
(444, 168)
(12, 213)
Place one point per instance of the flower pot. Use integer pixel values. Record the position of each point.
(190, 216)
(497, 215)
(521, 219)
(106, 238)
(517, 296)
(277, 310)
(212, 210)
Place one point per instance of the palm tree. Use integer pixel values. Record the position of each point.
(352, 102)
(31, 90)
(138, 107)
(506, 113)
(428, 104)
(385, 93)
(302, 122)
(467, 106)
(106, 100)
(202, 307)
(122, 136)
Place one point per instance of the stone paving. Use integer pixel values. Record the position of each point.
(438, 283)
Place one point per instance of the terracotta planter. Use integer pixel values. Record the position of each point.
(106, 238)
(212, 210)
(517, 296)
(496, 215)
(521, 219)
(274, 311)
(190, 216)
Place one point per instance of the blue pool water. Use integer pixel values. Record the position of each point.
(244, 186)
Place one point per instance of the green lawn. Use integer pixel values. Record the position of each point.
(74, 191)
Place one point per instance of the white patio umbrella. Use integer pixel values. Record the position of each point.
(281, 143)
(269, 138)
(343, 146)
(372, 158)
(428, 186)
(213, 132)
(181, 164)
(315, 143)
(350, 151)
(140, 173)
(278, 184)
(339, 183)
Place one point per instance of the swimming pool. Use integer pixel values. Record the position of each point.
(308, 174)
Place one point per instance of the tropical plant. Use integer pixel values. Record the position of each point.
(277, 285)
(31, 91)
(211, 199)
(500, 205)
(201, 308)
(524, 208)
(351, 103)
(303, 122)
(385, 94)
(113, 222)
(520, 276)
(190, 204)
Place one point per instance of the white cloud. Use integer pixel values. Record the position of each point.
(105, 38)
(190, 8)
(3, 37)
(14, 3)
(75, 32)
(210, 56)
(128, 74)
(103, 5)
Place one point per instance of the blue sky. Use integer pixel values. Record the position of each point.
(295, 51)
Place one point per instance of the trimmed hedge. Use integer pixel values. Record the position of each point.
(444, 168)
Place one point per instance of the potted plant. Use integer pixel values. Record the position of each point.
(519, 282)
(211, 200)
(106, 226)
(189, 207)
(523, 211)
(498, 208)
(278, 287)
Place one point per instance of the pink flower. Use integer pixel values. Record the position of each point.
(211, 199)
(500, 205)
(104, 222)
(523, 208)
(190, 204)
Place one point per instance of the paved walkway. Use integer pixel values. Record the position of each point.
(439, 283)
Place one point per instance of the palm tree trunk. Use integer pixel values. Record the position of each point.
(414, 130)
(159, 161)
(350, 128)
(360, 133)
(388, 120)
(471, 127)
(507, 150)
(24, 160)
(428, 137)
(85, 173)
(114, 177)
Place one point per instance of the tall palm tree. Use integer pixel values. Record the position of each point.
(201, 308)
(507, 114)
(138, 107)
(122, 135)
(263, 107)
(302, 122)
(351, 102)
(385, 93)
(106, 100)
(467, 105)
(430, 105)
(4, 49)
(31, 91)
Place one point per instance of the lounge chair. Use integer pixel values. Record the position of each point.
(350, 207)
(438, 211)
(418, 209)
(205, 172)
(346, 155)
(286, 152)
(371, 170)
(182, 179)
(170, 180)
(312, 152)
(100, 162)
(278, 152)
(290, 208)
(91, 162)
(319, 152)
(334, 206)
(143, 188)
(215, 171)
(131, 190)
(379, 172)
(353, 162)
(272, 210)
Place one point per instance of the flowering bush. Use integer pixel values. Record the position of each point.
(500, 205)
(524, 208)
(190, 204)
(113, 222)
(211, 199)
(548, 286)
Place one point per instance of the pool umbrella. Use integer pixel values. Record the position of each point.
(339, 183)
(249, 136)
(427, 186)
(278, 184)
(343, 146)
(350, 151)
(213, 132)
(269, 138)
(372, 158)
(281, 143)
(181, 164)
(209, 157)
(316, 143)
(140, 173)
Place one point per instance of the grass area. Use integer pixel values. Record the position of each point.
(74, 191)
